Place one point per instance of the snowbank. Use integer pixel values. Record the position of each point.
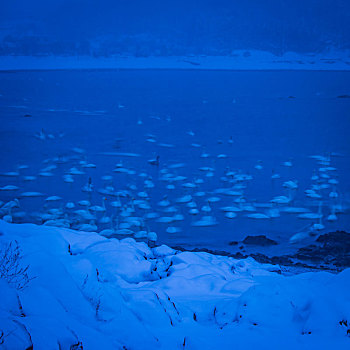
(239, 60)
(109, 294)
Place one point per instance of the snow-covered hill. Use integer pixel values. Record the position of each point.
(97, 293)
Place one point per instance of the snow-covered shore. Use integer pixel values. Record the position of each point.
(121, 294)
(239, 60)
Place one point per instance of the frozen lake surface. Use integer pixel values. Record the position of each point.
(223, 138)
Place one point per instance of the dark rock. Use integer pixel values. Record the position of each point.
(219, 252)
(281, 260)
(333, 248)
(238, 255)
(179, 248)
(335, 238)
(261, 258)
(261, 240)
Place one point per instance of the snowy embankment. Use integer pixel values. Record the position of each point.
(120, 294)
(238, 60)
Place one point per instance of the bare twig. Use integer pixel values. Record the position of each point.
(11, 268)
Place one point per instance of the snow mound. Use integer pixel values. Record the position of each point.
(98, 293)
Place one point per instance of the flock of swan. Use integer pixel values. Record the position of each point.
(157, 195)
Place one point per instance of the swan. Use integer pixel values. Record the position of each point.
(193, 211)
(154, 161)
(206, 208)
(332, 217)
(230, 214)
(98, 208)
(152, 238)
(9, 188)
(257, 216)
(205, 221)
(172, 229)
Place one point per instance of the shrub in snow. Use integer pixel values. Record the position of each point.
(11, 268)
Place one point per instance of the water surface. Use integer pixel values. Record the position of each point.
(257, 119)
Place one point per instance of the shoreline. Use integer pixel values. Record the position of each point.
(257, 61)
(293, 267)
(329, 252)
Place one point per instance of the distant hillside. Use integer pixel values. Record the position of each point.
(162, 28)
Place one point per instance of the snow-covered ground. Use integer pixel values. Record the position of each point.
(121, 294)
(239, 60)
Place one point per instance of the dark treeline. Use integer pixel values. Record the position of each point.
(143, 28)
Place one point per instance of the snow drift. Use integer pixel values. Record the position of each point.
(97, 293)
